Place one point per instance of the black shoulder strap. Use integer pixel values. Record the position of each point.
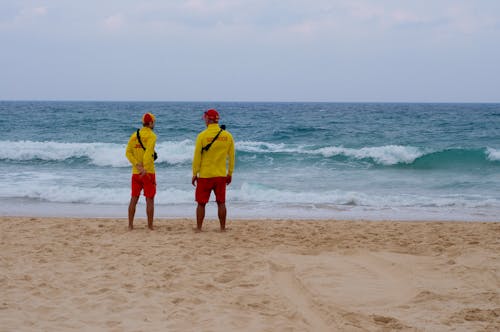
(210, 144)
(140, 142)
(155, 156)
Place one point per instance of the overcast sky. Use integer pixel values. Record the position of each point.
(251, 50)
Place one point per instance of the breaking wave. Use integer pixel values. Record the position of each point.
(181, 152)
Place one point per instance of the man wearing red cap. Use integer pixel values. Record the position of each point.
(213, 165)
(141, 154)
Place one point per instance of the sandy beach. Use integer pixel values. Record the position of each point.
(62, 274)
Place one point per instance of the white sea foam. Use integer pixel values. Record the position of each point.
(175, 152)
(27, 150)
(64, 189)
(493, 154)
(100, 154)
(264, 147)
(257, 193)
(66, 193)
(272, 202)
(181, 152)
(385, 155)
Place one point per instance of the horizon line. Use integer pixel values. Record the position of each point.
(246, 101)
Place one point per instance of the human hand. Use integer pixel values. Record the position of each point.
(141, 169)
(194, 179)
(229, 178)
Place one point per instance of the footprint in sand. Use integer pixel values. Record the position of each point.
(284, 277)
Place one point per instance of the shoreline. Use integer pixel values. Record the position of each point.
(69, 274)
(213, 218)
(238, 212)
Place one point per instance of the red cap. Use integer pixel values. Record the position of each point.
(148, 117)
(212, 115)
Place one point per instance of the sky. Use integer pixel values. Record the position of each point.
(251, 50)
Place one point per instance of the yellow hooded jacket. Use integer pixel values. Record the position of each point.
(136, 154)
(212, 163)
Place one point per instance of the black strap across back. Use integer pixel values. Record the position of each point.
(205, 148)
(155, 156)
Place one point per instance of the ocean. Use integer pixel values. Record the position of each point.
(377, 161)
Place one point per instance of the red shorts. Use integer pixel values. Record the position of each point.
(205, 186)
(146, 182)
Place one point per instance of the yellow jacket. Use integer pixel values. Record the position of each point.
(136, 154)
(212, 163)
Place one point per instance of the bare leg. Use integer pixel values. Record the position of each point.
(131, 211)
(150, 211)
(200, 215)
(222, 211)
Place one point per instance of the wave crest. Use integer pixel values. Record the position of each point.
(384, 155)
(493, 155)
(99, 154)
(387, 155)
(181, 152)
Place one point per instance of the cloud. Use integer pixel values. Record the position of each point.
(211, 7)
(114, 22)
(469, 20)
(405, 17)
(364, 11)
(33, 12)
(24, 17)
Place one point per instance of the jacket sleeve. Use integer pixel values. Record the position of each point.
(129, 152)
(148, 161)
(231, 154)
(197, 156)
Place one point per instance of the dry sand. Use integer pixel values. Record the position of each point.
(267, 275)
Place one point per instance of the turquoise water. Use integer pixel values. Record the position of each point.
(301, 160)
